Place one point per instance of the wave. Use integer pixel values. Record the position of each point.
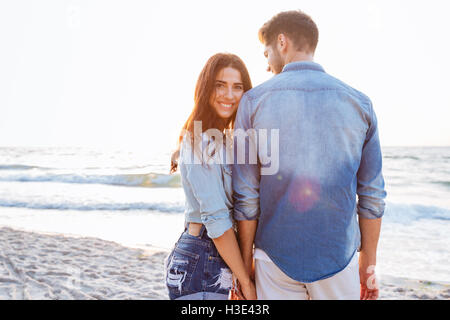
(395, 212)
(407, 213)
(149, 180)
(20, 167)
(161, 207)
(442, 183)
(400, 157)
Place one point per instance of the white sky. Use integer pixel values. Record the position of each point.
(122, 73)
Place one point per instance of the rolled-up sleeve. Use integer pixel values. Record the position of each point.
(246, 176)
(207, 186)
(370, 189)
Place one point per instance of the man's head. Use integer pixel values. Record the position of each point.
(288, 35)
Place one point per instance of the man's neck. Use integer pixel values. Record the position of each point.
(298, 56)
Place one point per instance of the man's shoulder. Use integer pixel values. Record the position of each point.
(261, 89)
(343, 86)
(308, 83)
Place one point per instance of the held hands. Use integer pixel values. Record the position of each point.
(247, 289)
(243, 291)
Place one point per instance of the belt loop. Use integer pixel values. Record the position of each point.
(202, 231)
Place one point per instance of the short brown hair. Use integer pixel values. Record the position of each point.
(296, 25)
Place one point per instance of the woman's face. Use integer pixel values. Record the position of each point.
(228, 92)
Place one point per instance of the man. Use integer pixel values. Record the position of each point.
(306, 221)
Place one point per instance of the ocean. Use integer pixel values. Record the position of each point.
(129, 197)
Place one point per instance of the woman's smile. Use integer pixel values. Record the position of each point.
(228, 93)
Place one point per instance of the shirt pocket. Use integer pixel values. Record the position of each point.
(180, 269)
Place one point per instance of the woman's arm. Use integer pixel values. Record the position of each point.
(207, 186)
(206, 183)
(228, 248)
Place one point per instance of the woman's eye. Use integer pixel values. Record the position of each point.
(239, 88)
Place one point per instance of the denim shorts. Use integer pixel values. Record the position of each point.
(195, 270)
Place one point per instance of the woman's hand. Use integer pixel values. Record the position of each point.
(230, 252)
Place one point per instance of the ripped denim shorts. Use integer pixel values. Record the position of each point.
(195, 270)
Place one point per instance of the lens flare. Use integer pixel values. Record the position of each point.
(304, 193)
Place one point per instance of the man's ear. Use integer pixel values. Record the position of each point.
(282, 43)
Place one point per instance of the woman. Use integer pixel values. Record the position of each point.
(198, 268)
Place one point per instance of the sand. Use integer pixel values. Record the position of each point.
(41, 266)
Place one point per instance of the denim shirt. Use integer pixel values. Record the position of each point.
(329, 171)
(207, 187)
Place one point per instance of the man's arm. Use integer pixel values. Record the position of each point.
(370, 233)
(371, 196)
(246, 237)
(246, 179)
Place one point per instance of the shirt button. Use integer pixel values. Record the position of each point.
(209, 258)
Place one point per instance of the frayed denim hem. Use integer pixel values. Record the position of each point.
(204, 296)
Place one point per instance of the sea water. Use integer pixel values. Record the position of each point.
(129, 197)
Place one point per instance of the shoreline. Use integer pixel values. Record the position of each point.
(49, 266)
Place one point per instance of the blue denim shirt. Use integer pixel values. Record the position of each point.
(329, 154)
(207, 187)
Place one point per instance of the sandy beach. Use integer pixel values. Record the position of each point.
(51, 266)
(43, 266)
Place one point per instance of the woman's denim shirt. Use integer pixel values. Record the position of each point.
(207, 186)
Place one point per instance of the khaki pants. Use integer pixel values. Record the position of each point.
(274, 284)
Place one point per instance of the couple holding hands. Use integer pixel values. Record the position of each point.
(307, 229)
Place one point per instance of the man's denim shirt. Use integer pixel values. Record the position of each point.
(329, 152)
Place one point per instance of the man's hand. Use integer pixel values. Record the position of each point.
(369, 283)
(370, 233)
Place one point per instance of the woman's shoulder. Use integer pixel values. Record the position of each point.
(191, 149)
(194, 151)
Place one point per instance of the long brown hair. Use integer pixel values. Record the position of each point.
(204, 88)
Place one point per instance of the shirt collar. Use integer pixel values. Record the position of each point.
(302, 65)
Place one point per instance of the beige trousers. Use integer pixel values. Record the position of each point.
(274, 284)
